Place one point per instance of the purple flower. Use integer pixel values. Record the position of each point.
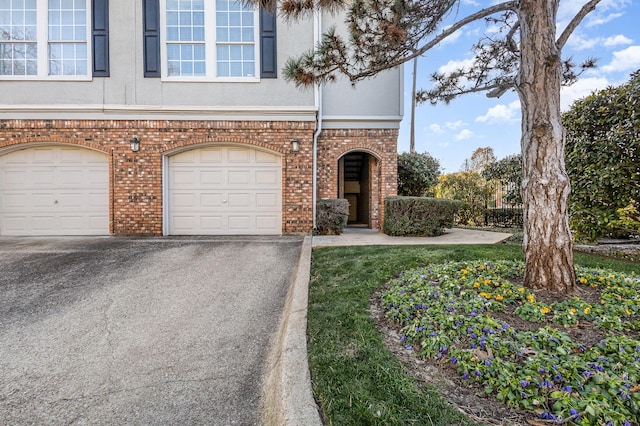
(465, 376)
(409, 347)
(454, 360)
(524, 383)
(403, 338)
(573, 411)
(568, 389)
(487, 362)
(477, 373)
(505, 326)
(542, 370)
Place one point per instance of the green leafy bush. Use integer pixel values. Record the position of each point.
(602, 157)
(331, 216)
(471, 189)
(418, 216)
(417, 174)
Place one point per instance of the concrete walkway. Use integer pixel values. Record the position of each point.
(374, 237)
(288, 395)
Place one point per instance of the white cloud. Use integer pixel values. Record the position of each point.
(580, 89)
(596, 20)
(464, 134)
(624, 60)
(501, 113)
(435, 128)
(577, 42)
(617, 40)
(453, 125)
(456, 65)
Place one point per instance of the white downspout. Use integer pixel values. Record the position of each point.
(318, 100)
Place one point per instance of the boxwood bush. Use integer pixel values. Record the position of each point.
(331, 216)
(418, 216)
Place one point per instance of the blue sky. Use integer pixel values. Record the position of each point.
(452, 132)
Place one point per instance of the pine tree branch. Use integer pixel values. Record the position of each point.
(573, 24)
(500, 7)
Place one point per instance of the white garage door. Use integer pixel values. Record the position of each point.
(225, 190)
(54, 190)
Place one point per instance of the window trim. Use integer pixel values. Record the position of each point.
(42, 40)
(210, 49)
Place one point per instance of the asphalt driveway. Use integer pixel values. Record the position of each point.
(147, 331)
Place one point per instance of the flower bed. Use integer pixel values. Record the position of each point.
(575, 359)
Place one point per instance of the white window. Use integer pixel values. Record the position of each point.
(206, 40)
(44, 39)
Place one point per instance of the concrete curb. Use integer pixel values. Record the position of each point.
(287, 395)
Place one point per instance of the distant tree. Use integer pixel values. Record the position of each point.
(508, 173)
(603, 160)
(480, 159)
(471, 189)
(417, 174)
(524, 55)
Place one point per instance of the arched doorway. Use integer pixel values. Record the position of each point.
(355, 184)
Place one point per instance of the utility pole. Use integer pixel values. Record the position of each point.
(412, 140)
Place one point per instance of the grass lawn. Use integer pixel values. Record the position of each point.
(356, 380)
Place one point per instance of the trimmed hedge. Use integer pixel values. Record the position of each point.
(418, 216)
(331, 216)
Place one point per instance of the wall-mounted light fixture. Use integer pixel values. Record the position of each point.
(295, 145)
(135, 144)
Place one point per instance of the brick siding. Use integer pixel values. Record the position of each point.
(135, 180)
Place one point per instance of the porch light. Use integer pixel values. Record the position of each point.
(295, 145)
(135, 144)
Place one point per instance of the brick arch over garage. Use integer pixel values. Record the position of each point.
(223, 140)
(21, 143)
(380, 144)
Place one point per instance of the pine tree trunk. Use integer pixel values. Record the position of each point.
(545, 185)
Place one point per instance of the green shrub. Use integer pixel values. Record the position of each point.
(471, 189)
(602, 157)
(331, 216)
(417, 174)
(418, 216)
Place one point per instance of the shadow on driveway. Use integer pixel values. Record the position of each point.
(119, 330)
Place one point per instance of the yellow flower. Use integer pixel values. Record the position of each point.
(496, 283)
(487, 281)
(574, 310)
(587, 310)
(464, 271)
(545, 310)
(521, 289)
(612, 276)
(531, 298)
(601, 279)
(476, 285)
(583, 280)
(499, 297)
(628, 311)
(485, 295)
(483, 267)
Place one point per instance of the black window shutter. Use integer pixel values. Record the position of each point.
(100, 37)
(268, 58)
(151, 27)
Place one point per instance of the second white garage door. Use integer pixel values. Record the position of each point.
(225, 190)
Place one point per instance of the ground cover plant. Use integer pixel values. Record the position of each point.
(358, 380)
